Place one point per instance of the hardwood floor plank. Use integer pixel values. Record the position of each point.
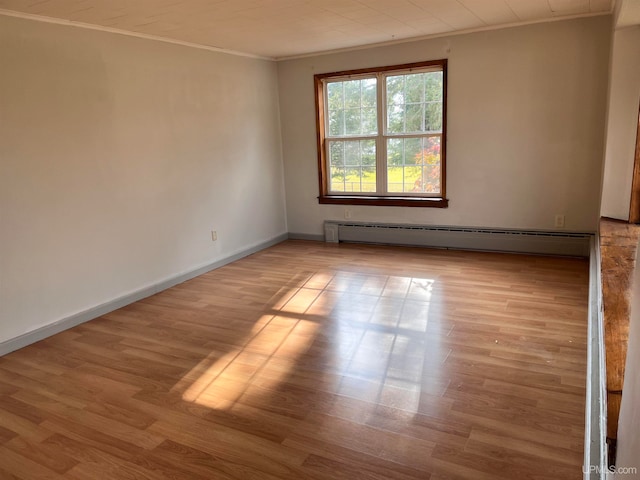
(528, 433)
(398, 448)
(244, 418)
(68, 432)
(334, 469)
(25, 468)
(50, 408)
(552, 454)
(24, 428)
(6, 434)
(21, 409)
(199, 464)
(275, 459)
(329, 451)
(402, 422)
(7, 476)
(43, 454)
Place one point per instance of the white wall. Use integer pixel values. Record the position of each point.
(622, 123)
(525, 127)
(117, 157)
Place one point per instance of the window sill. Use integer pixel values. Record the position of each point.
(431, 202)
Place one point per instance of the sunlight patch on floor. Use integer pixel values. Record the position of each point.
(376, 351)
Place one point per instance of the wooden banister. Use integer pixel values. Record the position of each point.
(618, 245)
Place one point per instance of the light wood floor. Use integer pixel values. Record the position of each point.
(315, 361)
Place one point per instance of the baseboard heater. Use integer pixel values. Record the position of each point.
(461, 238)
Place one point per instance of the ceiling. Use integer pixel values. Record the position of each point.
(284, 28)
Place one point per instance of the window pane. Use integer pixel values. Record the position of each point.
(352, 121)
(433, 117)
(433, 86)
(368, 179)
(336, 154)
(369, 120)
(412, 151)
(395, 152)
(352, 93)
(352, 165)
(395, 90)
(414, 88)
(335, 95)
(369, 96)
(414, 103)
(337, 179)
(352, 107)
(352, 154)
(413, 165)
(395, 118)
(368, 153)
(414, 113)
(336, 122)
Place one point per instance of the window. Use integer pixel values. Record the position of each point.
(381, 135)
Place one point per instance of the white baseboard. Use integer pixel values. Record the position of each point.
(104, 308)
(595, 446)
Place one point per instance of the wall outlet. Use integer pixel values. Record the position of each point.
(559, 221)
(214, 235)
(347, 213)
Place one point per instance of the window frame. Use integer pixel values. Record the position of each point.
(390, 198)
